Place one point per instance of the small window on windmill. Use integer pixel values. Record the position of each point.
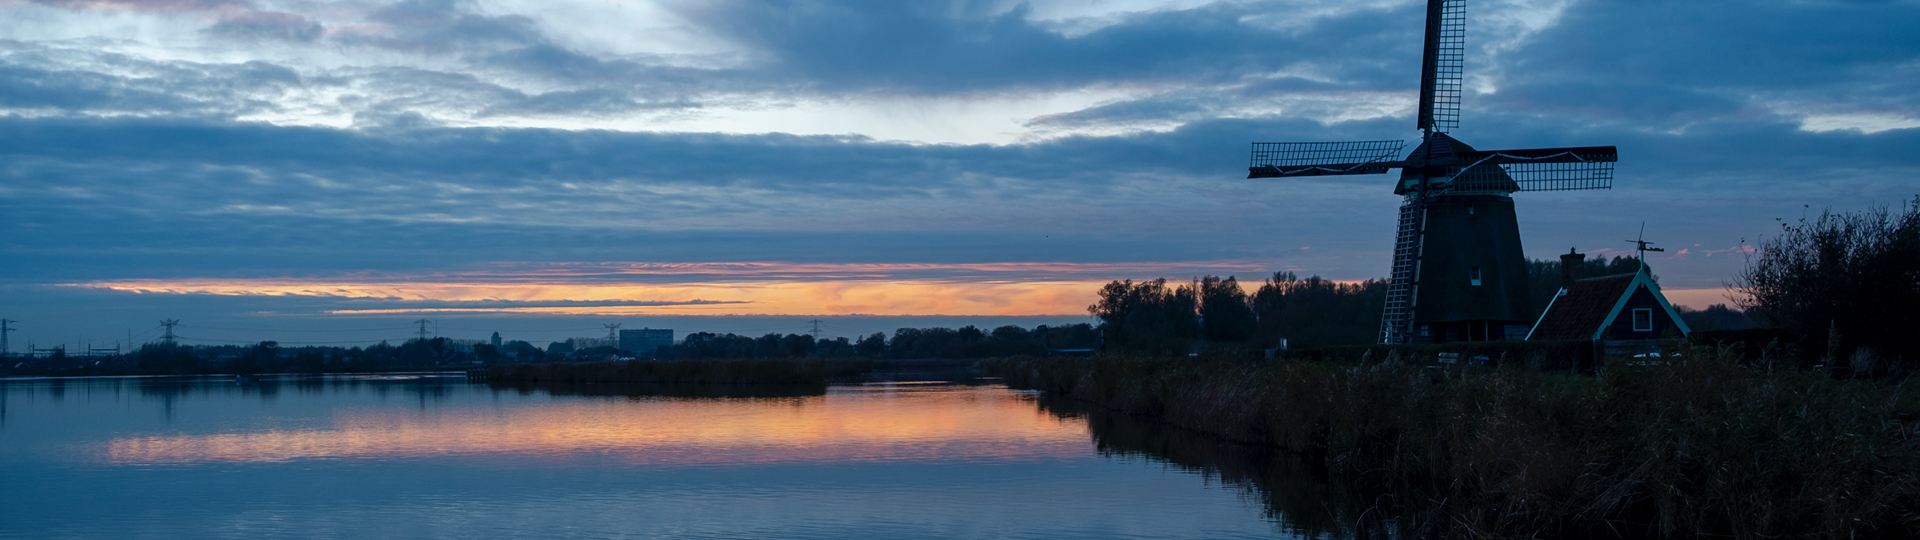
(1643, 320)
(1473, 275)
(1423, 330)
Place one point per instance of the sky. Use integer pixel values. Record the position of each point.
(320, 171)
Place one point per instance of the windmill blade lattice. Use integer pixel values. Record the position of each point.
(1543, 169)
(1271, 159)
(1443, 63)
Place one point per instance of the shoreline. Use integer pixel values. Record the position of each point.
(1702, 446)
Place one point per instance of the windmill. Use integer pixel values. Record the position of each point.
(1458, 271)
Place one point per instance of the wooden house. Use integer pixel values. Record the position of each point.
(1621, 314)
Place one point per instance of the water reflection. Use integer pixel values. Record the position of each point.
(654, 425)
(933, 454)
(642, 391)
(1302, 499)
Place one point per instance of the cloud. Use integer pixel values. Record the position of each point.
(442, 26)
(1690, 62)
(146, 5)
(929, 48)
(44, 80)
(267, 26)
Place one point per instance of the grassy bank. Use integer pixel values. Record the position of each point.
(1701, 446)
(795, 371)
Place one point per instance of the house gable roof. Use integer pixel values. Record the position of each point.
(1585, 310)
(1581, 308)
(1641, 279)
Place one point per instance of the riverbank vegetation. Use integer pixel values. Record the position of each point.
(263, 357)
(1695, 445)
(444, 353)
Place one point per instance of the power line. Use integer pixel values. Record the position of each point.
(4, 329)
(281, 341)
(518, 329)
(386, 329)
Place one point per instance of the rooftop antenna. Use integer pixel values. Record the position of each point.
(1641, 245)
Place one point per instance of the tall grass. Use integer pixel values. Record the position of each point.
(1700, 445)
(809, 371)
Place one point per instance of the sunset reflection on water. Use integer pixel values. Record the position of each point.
(870, 423)
(948, 455)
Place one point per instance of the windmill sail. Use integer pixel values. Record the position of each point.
(1537, 169)
(1442, 65)
(1273, 160)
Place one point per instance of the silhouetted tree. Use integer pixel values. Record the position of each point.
(1715, 317)
(1842, 283)
(874, 346)
(1316, 312)
(1225, 315)
(1148, 316)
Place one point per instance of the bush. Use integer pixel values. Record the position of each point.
(1847, 285)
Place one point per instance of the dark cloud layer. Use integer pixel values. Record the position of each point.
(201, 198)
(928, 48)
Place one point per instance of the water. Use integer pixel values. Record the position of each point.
(433, 456)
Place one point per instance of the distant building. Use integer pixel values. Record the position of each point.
(560, 347)
(1623, 313)
(496, 341)
(644, 342)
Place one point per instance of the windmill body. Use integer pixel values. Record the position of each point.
(1459, 273)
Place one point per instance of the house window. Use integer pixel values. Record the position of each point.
(1643, 320)
(1473, 275)
(1423, 330)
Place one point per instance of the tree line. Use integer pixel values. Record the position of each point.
(444, 353)
(964, 342)
(1163, 317)
(1840, 289)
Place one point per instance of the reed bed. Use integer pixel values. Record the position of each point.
(1703, 445)
(789, 371)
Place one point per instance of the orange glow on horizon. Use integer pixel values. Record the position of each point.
(738, 288)
(721, 298)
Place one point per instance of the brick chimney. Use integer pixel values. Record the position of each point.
(1572, 266)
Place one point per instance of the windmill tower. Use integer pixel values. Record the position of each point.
(1458, 271)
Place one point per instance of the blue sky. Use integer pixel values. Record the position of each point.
(320, 165)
